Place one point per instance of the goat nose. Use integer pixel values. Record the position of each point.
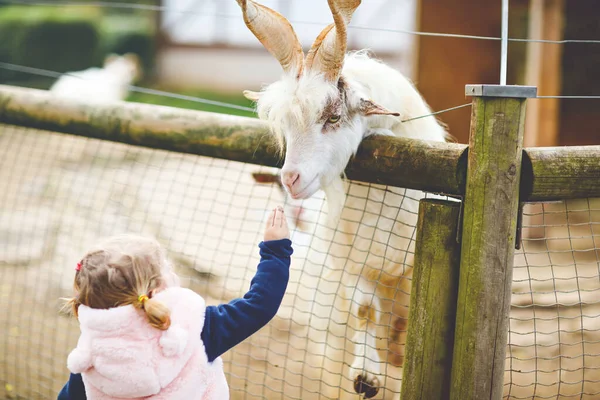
(290, 179)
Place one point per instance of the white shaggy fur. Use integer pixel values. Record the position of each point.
(104, 85)
(368, 237)
(294, 106)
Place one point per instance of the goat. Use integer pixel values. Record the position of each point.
(320, 110)
(108, 84)
(294, 212)
(96, 85)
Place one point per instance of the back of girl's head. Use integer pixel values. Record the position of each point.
(124, 270)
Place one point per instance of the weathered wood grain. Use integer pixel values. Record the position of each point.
(559, 173)
(548, 173)
(414, 164)
(430, 339)
(488, 242)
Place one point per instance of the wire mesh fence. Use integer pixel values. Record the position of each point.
(60, 194)
(554, 336)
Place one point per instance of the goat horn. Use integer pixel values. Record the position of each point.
(275, 33)
(329, 49)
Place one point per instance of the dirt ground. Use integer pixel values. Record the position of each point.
(59, 194)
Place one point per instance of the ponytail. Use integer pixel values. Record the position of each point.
(158, 314)
(123, 270)
(70, 306)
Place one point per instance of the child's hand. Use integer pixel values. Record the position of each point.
(277, 227)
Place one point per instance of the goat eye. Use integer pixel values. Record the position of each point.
(333, 119)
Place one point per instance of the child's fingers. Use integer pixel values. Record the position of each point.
(271, 219)
(278, 217)
(284, 222)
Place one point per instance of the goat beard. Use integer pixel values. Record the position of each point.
(335, 193)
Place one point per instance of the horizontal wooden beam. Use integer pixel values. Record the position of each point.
(431, 166)
(414, 164)
(548, 173)
(558, 173)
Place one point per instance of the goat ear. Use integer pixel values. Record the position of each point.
(132, 57)
(368, 107)
(111, 58)
(250, 95)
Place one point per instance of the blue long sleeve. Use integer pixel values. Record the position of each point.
(227, 325)
(74, 389)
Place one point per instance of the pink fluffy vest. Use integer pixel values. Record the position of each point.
(121, 356)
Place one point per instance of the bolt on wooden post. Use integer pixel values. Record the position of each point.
(432, 315)
(489, 228)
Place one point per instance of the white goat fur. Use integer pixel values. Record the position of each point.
(98, 86)
(103, 85)
(295, 105)
(368, 241)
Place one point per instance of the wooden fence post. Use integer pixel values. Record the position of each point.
(489, 227)
(429, 342)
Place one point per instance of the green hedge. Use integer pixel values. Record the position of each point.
(130, 34)
(47, 37)
(69, 38)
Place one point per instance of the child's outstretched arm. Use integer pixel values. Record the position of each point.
(227, 325)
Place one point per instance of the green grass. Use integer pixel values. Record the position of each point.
(239, 100)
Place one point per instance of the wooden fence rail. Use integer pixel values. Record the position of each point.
(548, 173)
(431, 166)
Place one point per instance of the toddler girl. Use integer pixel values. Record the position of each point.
(143, 336)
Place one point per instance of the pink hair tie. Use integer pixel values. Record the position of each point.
(78, 267)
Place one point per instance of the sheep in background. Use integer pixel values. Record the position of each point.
(108, 84)
(321, 109)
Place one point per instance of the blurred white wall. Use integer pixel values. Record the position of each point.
(210, 26)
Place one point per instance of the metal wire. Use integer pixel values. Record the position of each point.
(439, 112)
(54, 74)
(60, 193)
(568, 97)
(504, 43)
(554, 339)
(125, 5)
(208, 213)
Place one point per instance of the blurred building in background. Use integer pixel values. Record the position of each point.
(211, 38)
(205, 43)
(202, 48)
(445, 65)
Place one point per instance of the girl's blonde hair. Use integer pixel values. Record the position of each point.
(123, 270)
